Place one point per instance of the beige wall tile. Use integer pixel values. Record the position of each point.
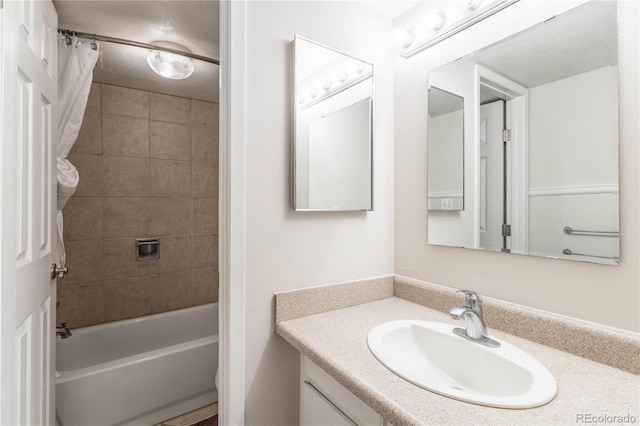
(204, 144)
(170, 178)
(125, 136)
(129, 136)
(83, 218)
(175, 255)
(205, 251)
(124, 101)
(89, 166)
(205, 215)
(89, 139)
(95, 99)
(171, 109)
(204, 287)
(126, 217)
(127, 298)
(204, 180)
(171, 216)
(80, 305)
(169, 291)
(170, 141)
(125, 176)
(84, 259)
(119, 259)
(204, 113)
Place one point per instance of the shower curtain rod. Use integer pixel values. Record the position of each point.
(98, 37)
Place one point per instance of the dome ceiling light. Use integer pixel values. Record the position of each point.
(170, 65)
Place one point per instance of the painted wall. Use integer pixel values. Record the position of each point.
(289, 250)
(608, 295)
(573, 164)
(313, 116)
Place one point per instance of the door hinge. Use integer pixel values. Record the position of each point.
(506, 230)
(506, 135)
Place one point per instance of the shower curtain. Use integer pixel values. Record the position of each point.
(75, 73)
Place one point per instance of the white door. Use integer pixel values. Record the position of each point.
(27, 293)
(491, 175)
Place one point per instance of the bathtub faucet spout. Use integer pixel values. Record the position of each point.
(63, 331)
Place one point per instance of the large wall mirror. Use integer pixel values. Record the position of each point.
(540, 141)
(332, 130)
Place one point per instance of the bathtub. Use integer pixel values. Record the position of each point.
(140, 371)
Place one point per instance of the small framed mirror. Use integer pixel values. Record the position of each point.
(332, 130)
(446, 150)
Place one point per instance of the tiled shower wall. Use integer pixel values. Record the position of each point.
(148, 168)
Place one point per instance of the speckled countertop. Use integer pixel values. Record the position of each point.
(336, 341)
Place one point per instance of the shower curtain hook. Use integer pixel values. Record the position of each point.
(94, 46)
(67, 38)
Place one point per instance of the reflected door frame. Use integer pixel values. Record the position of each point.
(517, 98)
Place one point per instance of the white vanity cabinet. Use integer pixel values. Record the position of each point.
(324, 401)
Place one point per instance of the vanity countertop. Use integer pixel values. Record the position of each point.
(337, 342)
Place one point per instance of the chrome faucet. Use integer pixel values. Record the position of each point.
(475, 329)
(63, 331)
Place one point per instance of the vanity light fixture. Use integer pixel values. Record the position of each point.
(436, 26)
(336, 81)
(169, 65)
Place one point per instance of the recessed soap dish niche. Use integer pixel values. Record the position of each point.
(147, 248)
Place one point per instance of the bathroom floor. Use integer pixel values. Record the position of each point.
(205, 416)
(213, 421)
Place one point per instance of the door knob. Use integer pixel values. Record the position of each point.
(57, 272)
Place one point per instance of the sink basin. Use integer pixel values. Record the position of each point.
(429, 355)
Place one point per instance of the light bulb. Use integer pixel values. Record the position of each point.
(471, 4)
(402, 38)
(338, 77)
(433, 21)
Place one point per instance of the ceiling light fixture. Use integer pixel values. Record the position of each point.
(169, 65)
(436, 26)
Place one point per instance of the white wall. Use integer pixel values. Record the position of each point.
(289, 250)
(573, 163)
(445, 153)
(603, 294)
(340, 159)
(573, 129)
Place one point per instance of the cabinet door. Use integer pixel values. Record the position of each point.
(316, 409)
(325, 402)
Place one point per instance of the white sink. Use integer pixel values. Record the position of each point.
(429, 355)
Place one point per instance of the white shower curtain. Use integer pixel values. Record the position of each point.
(75, 73)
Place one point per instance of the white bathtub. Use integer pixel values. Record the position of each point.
(140, 371)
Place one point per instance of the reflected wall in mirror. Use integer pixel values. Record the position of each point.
(332, 130)
(446, 150)
(541, 153)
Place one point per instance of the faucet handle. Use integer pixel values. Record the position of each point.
(473, 299)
